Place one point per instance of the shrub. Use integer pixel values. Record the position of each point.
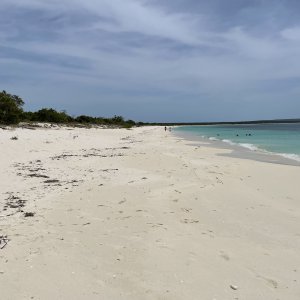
(50, 115)
(85, 119)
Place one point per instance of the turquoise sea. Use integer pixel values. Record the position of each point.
(283, 139)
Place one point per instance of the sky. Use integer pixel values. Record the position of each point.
(154, 60)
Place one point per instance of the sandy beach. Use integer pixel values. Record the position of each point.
(143, 214)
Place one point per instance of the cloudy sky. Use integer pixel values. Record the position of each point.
(154, 60)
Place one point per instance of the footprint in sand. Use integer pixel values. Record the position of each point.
(224, 256)
(189, 221)
(187, 210)
(122, 201)
(270, 282)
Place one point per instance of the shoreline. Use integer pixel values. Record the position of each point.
(239, 151)
(143, 214)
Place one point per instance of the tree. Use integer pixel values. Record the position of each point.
(51, 115)
(10, 108)
(117, 120)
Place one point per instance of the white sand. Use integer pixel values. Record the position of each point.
(158, 220)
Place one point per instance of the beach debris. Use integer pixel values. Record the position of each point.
(3, 241)
(51, 181)
(14, 202)
(37, 175)
(91, 153)
(29, 214)
(73, 182)
(14, 138)
(108, 170)
(233, 287)
(31, 169)
(63, 156)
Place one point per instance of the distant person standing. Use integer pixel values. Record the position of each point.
(165, 128)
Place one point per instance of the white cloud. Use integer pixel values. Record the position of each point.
(125, 15)
(131, 45)
(137, 16)
(291, 33)
(251, 46)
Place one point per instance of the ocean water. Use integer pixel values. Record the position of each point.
(282, 139)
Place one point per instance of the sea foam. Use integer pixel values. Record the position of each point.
(229, 142)
(291, 156)
(249, 146)
(244, 145)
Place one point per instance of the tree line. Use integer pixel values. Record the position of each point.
(11, 112)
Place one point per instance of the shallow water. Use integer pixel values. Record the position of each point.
(282, 139)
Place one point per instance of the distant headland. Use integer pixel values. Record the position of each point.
(276, 121)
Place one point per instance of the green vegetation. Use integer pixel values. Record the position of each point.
(47, 115)
(11, 112)
(10, 108)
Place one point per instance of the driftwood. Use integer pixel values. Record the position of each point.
(3, 241)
